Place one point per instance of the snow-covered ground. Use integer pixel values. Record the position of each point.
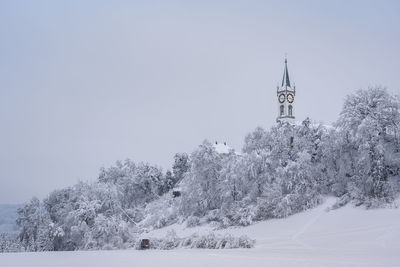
(347, 236)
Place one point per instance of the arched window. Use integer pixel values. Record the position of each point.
(281, 110)
(290, 110)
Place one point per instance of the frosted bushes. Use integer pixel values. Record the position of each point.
(341, 202)
(205, 241)
(245, 216)
(213, 215)
(241, 242)
(162, 212)
(239, 215)
(381, 193)
(192, 221)
(214, 241)
(292, 203)
(10, 243)
(108, 233)
(269, 207)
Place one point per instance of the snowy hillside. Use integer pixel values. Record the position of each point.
(348, 236)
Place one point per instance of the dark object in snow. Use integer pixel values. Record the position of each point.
(176, 193)
(145, 244)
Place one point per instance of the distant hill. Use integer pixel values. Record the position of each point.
(8, 215)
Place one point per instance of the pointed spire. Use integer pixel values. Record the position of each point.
(285, 79)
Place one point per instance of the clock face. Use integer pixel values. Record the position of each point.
(281, 98)
(290, 98)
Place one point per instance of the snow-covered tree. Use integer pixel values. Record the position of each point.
(35, 226)
(180, 167)
(369, 123)
(201, 187)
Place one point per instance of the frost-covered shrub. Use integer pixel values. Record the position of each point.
(342, 201)
(245, 216)
(107, 233)
(239, 215)
(171, 240)
(206, 241)
(245, 242)
(192, 221)
(163, 212)
(10, 243)
(213, 241)
(213, 215)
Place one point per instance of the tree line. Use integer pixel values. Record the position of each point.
(280, 171)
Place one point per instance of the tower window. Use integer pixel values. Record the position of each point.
(290, 110)
(281, 110)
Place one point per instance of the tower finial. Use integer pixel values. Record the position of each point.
(285, 79)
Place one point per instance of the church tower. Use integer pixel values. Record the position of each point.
(286, 94)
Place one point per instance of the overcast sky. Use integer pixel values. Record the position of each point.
(85, 84)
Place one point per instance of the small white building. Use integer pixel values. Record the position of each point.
(223, 148)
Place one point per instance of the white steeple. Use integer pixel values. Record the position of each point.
(286, 94)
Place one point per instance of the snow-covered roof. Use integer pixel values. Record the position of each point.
(222, 148)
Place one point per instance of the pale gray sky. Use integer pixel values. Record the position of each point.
(85, 84)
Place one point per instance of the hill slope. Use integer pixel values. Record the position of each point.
(347, 236)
